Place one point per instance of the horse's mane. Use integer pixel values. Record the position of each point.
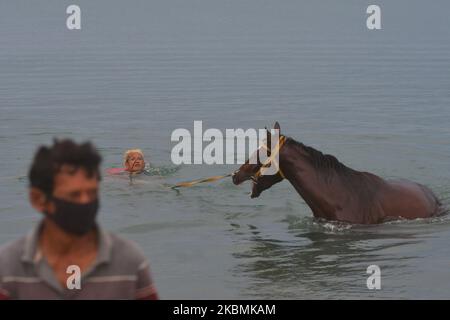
(326, 163)
(363, 184)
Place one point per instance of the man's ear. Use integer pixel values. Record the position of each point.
(39, 200)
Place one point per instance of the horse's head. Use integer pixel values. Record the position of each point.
(264, 182)
(252, 170)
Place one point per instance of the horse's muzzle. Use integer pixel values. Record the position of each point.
(235, 179)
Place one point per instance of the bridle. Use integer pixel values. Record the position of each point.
(271, 159)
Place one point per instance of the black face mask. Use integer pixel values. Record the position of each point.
(74, 218)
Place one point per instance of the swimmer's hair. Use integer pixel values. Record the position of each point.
(128, 152)
(48, 161)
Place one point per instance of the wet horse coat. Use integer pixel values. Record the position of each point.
(334, 191)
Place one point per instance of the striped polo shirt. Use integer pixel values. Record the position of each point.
(120, 271)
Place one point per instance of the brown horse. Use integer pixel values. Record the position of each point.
(334, 191)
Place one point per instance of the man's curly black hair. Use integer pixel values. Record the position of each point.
(48, 161)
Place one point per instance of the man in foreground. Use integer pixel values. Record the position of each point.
(68, 255)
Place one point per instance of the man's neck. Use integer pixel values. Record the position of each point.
(54, 241)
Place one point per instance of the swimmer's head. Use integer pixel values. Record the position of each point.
(133, 160)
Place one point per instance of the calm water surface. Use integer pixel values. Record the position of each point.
(379, 101)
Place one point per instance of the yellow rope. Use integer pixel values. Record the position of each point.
(272, 158)
(194, 182)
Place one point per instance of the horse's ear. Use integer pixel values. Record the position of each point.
(268, 136)
(276, 126)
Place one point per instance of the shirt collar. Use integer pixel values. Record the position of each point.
(31, 254)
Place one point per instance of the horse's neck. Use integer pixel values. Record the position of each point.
(321, 196)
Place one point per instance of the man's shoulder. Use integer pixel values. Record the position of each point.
(126, 251)
(11, 253)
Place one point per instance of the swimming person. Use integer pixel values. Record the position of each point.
(133, 161)
(134, 164)
(68, 255)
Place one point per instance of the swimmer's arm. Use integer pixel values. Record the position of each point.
(152, 172)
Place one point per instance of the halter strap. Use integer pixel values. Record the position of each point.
(272, 158)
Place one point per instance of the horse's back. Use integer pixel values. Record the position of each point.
(410, 200)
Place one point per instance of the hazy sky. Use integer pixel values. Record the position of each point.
(125, 25)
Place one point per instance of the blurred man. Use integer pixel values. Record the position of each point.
(68, 255)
